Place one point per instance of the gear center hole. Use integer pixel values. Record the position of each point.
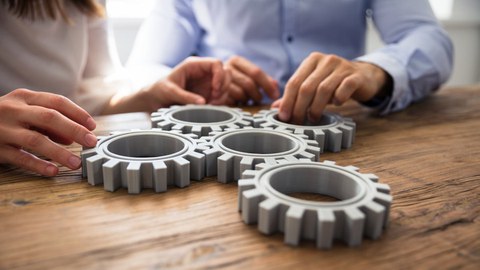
(145, 146)
(314, 184)
(259, 143)
(202, 116)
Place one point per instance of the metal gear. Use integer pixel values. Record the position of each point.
(230, 152)
(363, 206)
(200, 119)
(144, 159)
(332, 132)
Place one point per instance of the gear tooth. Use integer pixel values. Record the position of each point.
(353, 226)
(270, 161)
(244, 185)
(244, 123)
(247, 174)
(197, 130)
(231, 126)
(375, 214)
(312, 143)
(372, 177)
(84, 155)
(315, 151)
(175, 131)
(247, 163)
(282, 161)
(329, 162)
(94, 170)
(225, 168)
(182, 172)
(164, 125)
(333, 140)
(307, 155)
(300, 132)
(352, 168)
(386, 201)
(178, 127)
(281, 128)
(212, 134)
(291, 158)
(260, 166)
(112, 178)
(293, 225)
(319, 137)
(134, 177)
(258, 122)
(383, 188)
(192, 135)
(325, 228)
(304, 160)
(215, 128)
(197, 165)
(211, 156)
(347, 136)
(268, 216)
(250, 201)
(159, 176)
(201, 148)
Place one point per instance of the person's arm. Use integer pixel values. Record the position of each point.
(418, 54)
(37, 122)
(415, 61)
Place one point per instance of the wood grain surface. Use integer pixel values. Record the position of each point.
(429, 154)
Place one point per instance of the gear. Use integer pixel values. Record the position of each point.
(332, 132)
(200, 119)
(363, 206)
(231, 152)
(144, 159)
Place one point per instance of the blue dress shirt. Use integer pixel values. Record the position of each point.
(278, 35)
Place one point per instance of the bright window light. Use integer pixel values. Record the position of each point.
(129, 8)
(442, 8)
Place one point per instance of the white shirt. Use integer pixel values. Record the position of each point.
(74, 60)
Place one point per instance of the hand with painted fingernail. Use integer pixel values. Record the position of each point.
(35, 124)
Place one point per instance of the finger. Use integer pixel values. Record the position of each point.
(218, 77)
(346, 89)
(307, 92)
(57, 124)
(40, 144)
(62, 105)
(52, 136)
(277, 103)
(293, 86)
(237, 93)
(25, 160)
(178, 95)
(325, 92)
(247, 84)
(258, 75)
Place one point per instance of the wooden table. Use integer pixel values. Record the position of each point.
(429, 154)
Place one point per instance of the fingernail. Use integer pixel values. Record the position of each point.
(91, 125)
(283, 116)
(200, 101)
(51, 170)
(90, 139)
(74, 162)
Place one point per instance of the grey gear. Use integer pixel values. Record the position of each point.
(144, 159)
(363, 206)
(332, 132)
(230, 152)
(200, 119)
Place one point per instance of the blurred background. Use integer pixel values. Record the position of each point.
(460, 18)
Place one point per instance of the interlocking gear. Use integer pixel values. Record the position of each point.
(144, 159)
(200, 119)
(332, 132)
(363, 206)
(231, 152)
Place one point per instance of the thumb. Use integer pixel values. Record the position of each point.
(179, 95)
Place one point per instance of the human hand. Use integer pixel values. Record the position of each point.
(322, 79)
(194, 81)
(36, 122)
(247, 80)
